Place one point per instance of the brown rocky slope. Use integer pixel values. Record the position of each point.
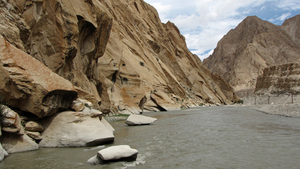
(279, 79)
(292, 27)
(243, 53)
(117, 54)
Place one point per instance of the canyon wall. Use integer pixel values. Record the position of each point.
(117, 54)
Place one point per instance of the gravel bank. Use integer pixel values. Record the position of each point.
(283, 105)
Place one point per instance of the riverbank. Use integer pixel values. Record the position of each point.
(288, 110)
(284, 105)
(202, 137)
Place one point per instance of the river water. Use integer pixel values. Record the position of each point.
(213, 137)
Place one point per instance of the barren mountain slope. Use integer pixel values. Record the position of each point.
(245, 51)
(292, 27)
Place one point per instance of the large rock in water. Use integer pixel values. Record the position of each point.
(243, 53)
(29, 85)
(134, 120)
(75, 129)
(121, 152)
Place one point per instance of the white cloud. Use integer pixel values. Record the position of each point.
(283, 16)
(205, 22)
(262, 8)
(289, 4)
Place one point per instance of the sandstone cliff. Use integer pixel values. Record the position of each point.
(279, 79)
(117, 54)
(243, 53)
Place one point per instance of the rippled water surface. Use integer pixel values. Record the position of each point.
(214, 137)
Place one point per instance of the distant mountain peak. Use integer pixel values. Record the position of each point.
(243, 53)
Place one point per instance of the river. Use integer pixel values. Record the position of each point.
(211, 137)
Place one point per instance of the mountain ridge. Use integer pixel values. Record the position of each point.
(243, 53)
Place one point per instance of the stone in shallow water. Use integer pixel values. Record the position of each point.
(133, 120)
(75, 129)
(94, 160)
(116, 153)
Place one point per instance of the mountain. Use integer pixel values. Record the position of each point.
(292, 27)
(117, 54)
(243, 53)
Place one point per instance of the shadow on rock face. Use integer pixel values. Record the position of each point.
(58, 100)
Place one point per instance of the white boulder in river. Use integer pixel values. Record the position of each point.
(75, 129)
(133, 120)
(114, 153)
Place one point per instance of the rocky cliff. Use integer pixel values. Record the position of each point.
(279, 79)
(117, 54)
(243, 53)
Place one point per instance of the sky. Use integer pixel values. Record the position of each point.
(205, 22)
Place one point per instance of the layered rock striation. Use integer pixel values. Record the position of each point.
(243, 53)
(147, 64)
(29, 85)
(279, 79)
(117, 54)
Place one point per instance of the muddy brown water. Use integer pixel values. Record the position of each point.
(213, 137)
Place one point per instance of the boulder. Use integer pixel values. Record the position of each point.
(11, 121)
(3, 153)
(29, 85)
(77, 106)
(115, 153)
(74, 129)
(34, 135)
(95, 160)
(34, 126)
(15, 143)
(133, 120)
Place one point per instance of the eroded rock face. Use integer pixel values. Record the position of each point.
(279, 79)
(68, 37)
(11, 122)
(29, 85)
(115, 53)
(75, 129)
(145, 57)
(242, 54)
